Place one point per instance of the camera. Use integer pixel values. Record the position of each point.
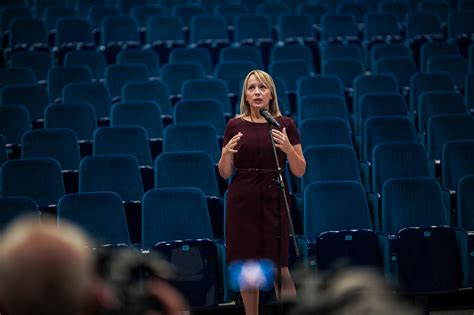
(251, 274)
(127, 272)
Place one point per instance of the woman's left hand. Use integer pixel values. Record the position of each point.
(281, 140)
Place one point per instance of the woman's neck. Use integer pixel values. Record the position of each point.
(254, 115)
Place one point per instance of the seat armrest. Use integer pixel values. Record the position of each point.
(388, 249)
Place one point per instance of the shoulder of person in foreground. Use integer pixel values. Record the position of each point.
(354, 291)
(34, 253)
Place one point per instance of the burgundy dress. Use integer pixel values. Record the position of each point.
(253, 195)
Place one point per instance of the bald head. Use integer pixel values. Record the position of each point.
(43, 269)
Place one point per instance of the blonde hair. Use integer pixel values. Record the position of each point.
(267, 80)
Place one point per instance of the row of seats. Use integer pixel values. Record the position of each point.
(393, 153)
(383, 58)
(206, 29)
(316, 97)
(163, 214)
(376, 128)
(262, 6)
(140, 13)
(164, 211)
(288, 74)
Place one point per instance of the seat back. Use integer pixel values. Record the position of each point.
(382, 50)
(380, 24)
(148, 58)
(130, 139)
(340, 163)
(252, 27)
(116, 76)
(142, 12)
(181, 137)
(207, 89)
(155, 91)
(428, 260)
(335, 206)
(94, 60)
(200, 111)
(293, 52)
(143, 113)
(79, 117)
(175, 74)
(429, 50)
(27, 32)
(186, 169)
(59, 144)
(119, 29)
(101, 214)
(22, 75)
(337, 50)
(198, 55)
(335, 25)
(119, 173)
(14, 207)
(421, 23)
(3, 150)
(164, 28)
(460, 23)
(412, 202)
(400, 67)
(208, 27)
(424, 82)
(378, 83)
(14, 122)
(399, 9)
(457, 161)
(325, 131)
(38, 61)
(187, 11)
(233, 73)
(465, 203)
(167, 210)
(59, 77)
(357, 10)
(33, 97)
(456, 66)
(197, 265)
(39, 179)
(74, 30)
(95, 94)
(380, 104)
(242, 53)
(398, 160)
(290, 71)
(438, 103)
(345, 68)
(98, 12)
(292, 26)
(318, 84)
(386, 129)
(445, 128)
(322, 106)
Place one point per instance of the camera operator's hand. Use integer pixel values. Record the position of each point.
(171, 299)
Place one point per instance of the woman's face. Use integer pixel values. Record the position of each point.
(258, 95)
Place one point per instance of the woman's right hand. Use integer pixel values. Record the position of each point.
(230, 146)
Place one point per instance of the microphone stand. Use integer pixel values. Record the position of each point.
(282, 193)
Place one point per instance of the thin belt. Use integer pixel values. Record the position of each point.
(255, 170)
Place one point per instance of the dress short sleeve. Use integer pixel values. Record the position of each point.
(229, 131)
(291, 130)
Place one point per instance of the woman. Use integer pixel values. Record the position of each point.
(253, 198)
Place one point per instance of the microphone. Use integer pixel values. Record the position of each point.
(269, 117)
